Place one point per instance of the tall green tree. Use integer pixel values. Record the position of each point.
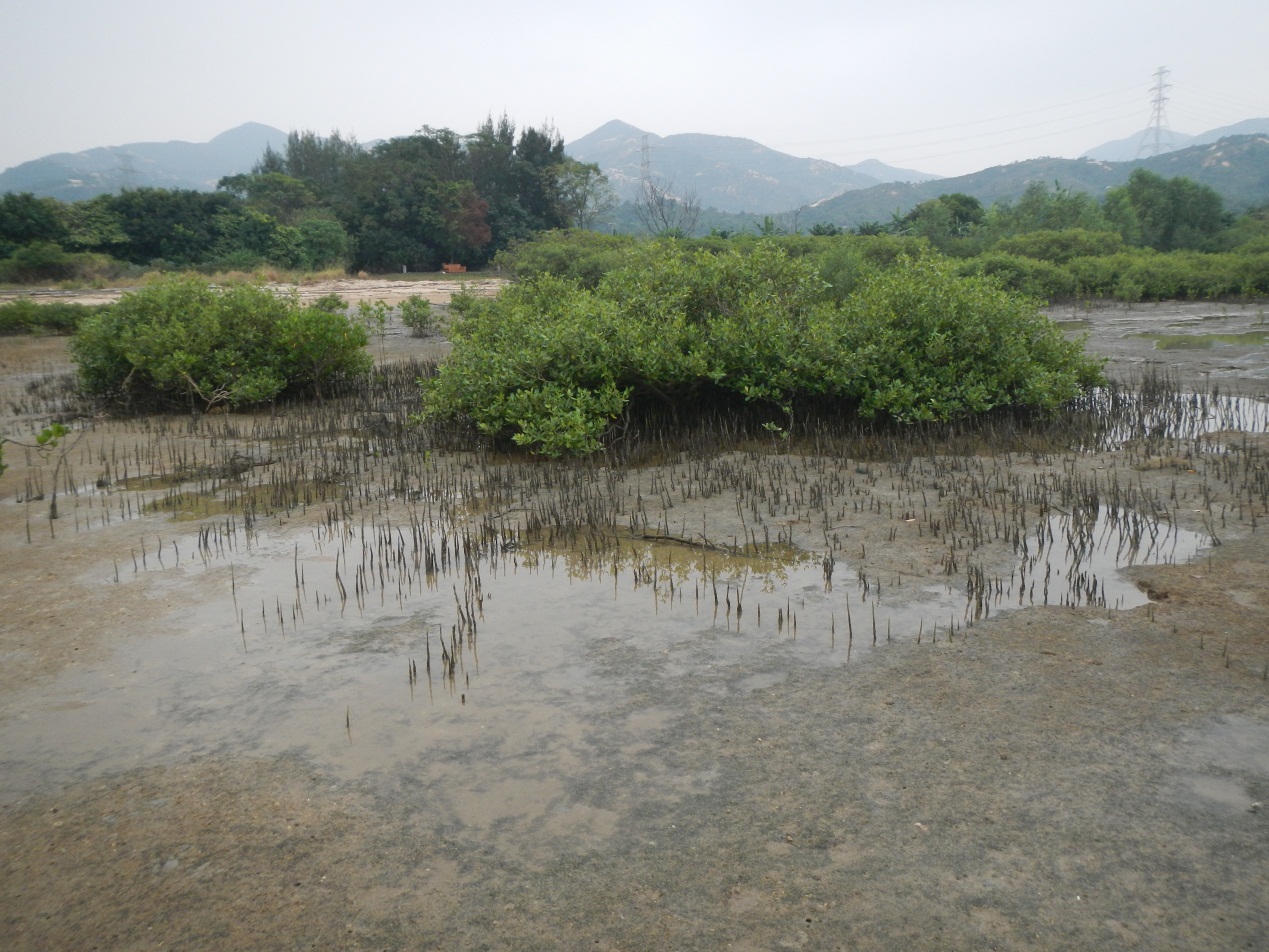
(519, 178)
(584, 193)
(1165, 214)
(403, 208)
(275, 194)
(24, 218)
(318, 161)
(941, 220)
(1040, 208)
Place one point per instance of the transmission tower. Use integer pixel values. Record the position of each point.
(1157, 132)
(127, 172)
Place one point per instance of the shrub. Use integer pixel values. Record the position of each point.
(1061, 246)
(842, 266)
(1029, 276)
(331, 302)
(551, 363)
(183, 342)
(44, 261)
(919, 343)
(57, 317)
(416, 314)
(583, 256)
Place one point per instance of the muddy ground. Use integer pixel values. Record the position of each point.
(859, 764)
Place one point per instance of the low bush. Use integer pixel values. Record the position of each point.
(1030, 276)
(551, 363)
(56, 317)
(1177, 275)
(1061, 246)
(416, 314)
(45, 262)
(183, 342)
(581, 256)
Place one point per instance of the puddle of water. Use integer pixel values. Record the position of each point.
(446, 649)
(1205, 341)
(1078, 559)
(1181, 416)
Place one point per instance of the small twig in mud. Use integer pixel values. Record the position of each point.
(694, 543)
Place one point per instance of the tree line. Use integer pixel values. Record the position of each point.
(323, 201)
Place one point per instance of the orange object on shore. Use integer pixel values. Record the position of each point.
(454, 268)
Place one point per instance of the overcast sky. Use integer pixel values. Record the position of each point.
(945, 86)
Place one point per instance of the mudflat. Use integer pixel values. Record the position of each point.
(296, 680)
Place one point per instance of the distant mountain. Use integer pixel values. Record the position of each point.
(1237, 167)
(71, 176)
(1128, 149)
(726, 173)
(889, 173)
(1248, 127)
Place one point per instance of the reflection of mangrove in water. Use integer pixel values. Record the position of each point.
(1206, 341)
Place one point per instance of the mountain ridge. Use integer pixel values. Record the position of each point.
(727, 173)
(73, 176)
(1128, 148)
(1236, 167)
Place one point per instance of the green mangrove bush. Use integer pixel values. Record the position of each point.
(185, 342)
(551, 363)
(56, 317)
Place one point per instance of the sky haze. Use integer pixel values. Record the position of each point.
(941, 87)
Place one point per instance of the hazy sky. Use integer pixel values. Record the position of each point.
(937, 85)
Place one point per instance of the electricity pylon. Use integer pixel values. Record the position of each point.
(1157, 132)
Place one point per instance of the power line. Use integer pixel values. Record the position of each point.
(988, 144)
(995, 145)
(964, 125)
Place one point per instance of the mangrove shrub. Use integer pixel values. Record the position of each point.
(184, 342)
(551, 363)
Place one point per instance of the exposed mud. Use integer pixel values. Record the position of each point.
(437, 290)
(1007, 718)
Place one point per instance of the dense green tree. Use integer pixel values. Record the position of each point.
(403, 211)
(1043, 209)
(275, 194)
(942, 219)
(1165, 214)
(1249, 232)
(585, 195)
(324, 243)
(93, 225)
(24, 218)
(520, 179)
(177, 225)
(319, 162)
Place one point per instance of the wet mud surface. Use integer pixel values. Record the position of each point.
(478, 702)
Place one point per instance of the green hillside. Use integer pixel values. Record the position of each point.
(1237, 167)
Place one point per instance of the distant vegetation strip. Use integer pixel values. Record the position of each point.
(1054, 266)
(59, 317)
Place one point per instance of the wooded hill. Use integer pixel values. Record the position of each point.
(1237, 168)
